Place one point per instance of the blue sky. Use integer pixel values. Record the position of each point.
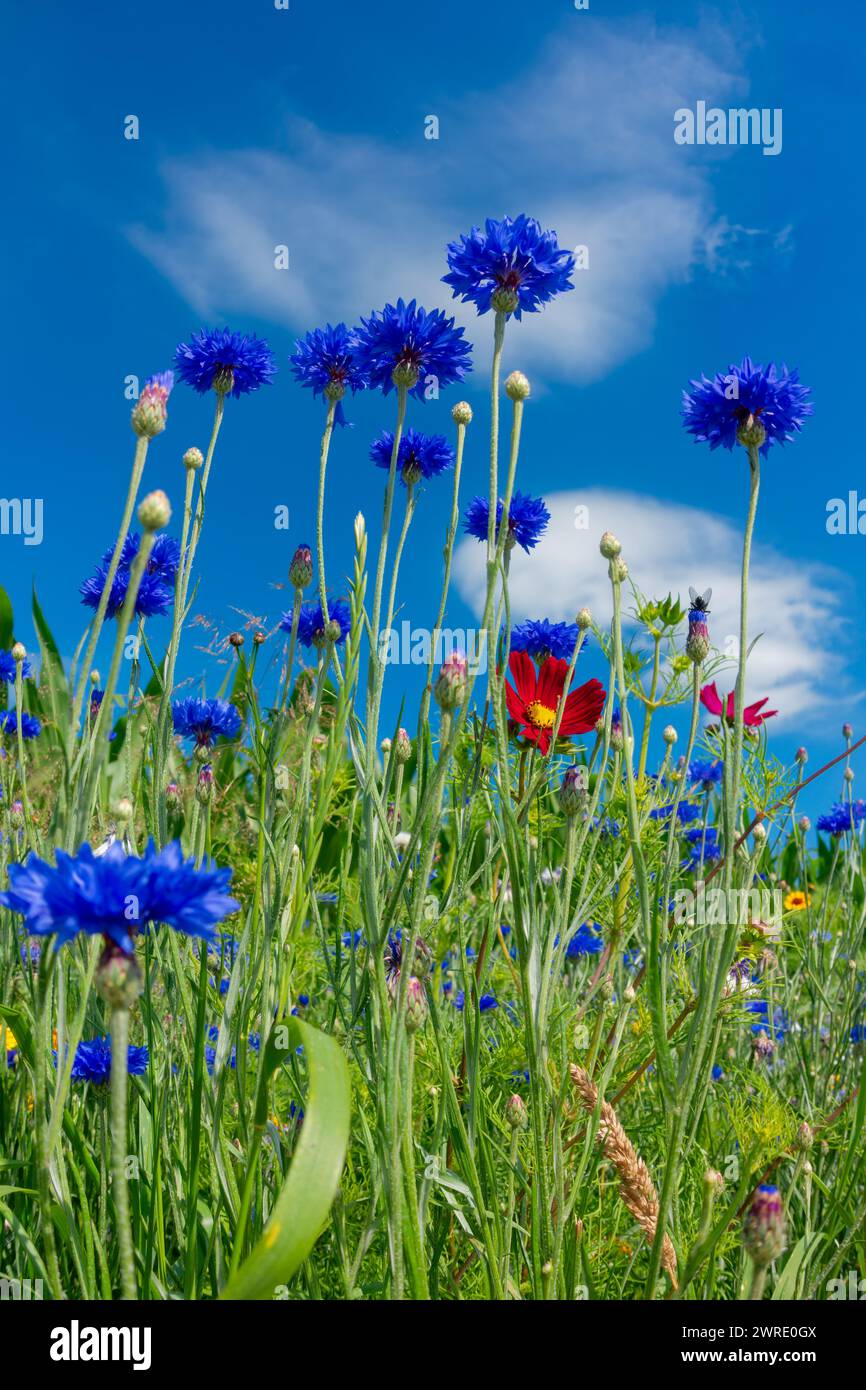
(306, 127)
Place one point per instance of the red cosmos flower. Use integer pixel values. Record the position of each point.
(534, 703)
(752, 718)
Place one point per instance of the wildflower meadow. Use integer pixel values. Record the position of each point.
(542, 988)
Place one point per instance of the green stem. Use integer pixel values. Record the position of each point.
(119, 1189)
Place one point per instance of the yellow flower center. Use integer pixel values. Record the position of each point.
(541, 716)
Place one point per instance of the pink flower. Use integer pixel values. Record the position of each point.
(752, 716)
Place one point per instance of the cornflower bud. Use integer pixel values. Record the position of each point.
(193, 458)
(150, 412)
(764, 1233)
(516, 1113)
(517, 387)
(453, 679)
(301, 568)
(461, 413)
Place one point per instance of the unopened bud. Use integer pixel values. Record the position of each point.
(301, 568)
(19, 652)
(154, 511)
(416, 1005)
(193, 458)
(669, 734)
(150, 411)
(516, 1113)
(118, 978)
(573, 791)
(517, 387)
(584, 619)
(764, 1232)
(461, 413)
(402, 746)
(452, 682)
(204, 785)
(609, 545)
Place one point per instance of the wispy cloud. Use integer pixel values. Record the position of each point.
(797, 609)
(586, 136)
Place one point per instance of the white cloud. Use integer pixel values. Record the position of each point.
(797, 608)
(584, 141)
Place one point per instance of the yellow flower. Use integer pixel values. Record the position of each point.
(11, 1040)
(796, 902)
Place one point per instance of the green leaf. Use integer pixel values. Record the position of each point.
(786, 1286)
(305, 1198)
(7, 625)
(52, 666)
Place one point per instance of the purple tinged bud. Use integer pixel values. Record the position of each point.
(416, 1005)
(452, 682)
(515, 1112)
(204, 786)
(150, 411)
(402, 746)
(301, 568)
(847, 732)
(764, 1232)
(801, 756)
(573, 791)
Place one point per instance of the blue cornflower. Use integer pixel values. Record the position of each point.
(513, 265)
(527, 519)
(232, 363)
(485, 1003)
(842, 817)
(311, 622)
(706, 771)
(116, 894)
(858, 1034)
(93, 1061)
(7, 668)
(156, 590)
(30, 725)
(717, 1073)
(541, 639)
(704, 847)
(776, 1027)
(687, 812)
(205, 720)
(419, 455)
(324, 360)
(585, 942)
(152, 600)
(162, 562)
(714, 411)
(405, 339)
